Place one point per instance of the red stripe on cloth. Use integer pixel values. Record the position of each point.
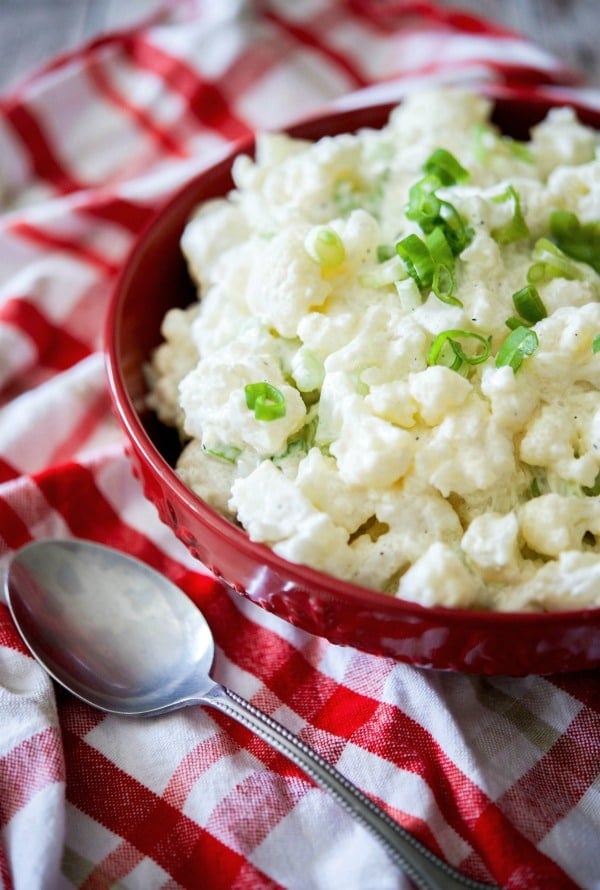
(206, 102)
(9, 636)
(73, 246)
(99, 76)
(310, 37)
(579, 686)
(30, 766)
(186, 851)
(71, 490)
(512, 860)
(7, 472)
(56, 348)
(36, 146)
(127, 214)
(13, 530)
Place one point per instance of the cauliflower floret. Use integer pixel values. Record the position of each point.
(553, 523)
(208, 476)
(269, 504)
(318, 478)
(207, 238)
(370, 451)
(439, 578)
(560, 139)
(561, 292)
(397, 534)
(467, 452)
(271, 150)
(564, 355)
(564, 437)
(438, 390)
(491, 546)
(512, 397)
(211, 327)
(570, 582)
(326, 332)
(213, 400)
(171, 361)
(303, 184)
(576, 189)
(284, 283)
(429, 118)
(393, 402)
(387, 345)
(274, 511)
(360, 236)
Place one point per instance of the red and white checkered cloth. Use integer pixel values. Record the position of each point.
(499, 776)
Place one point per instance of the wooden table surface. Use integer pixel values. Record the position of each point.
(31, 31)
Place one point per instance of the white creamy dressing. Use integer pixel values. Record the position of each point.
(473, 487)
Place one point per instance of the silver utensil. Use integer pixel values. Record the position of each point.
(126, 640)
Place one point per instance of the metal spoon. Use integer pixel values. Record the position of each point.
(126, 640)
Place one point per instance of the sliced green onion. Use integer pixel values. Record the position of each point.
(513, 322)
(389, 272)
(444, 282)
(443, 164)
(519, 344)
(409, 294)
(529, 305)
(596, 344)
(325, 247)
(226, 452)
(439, 249)
(267, 402)
(443, 285)
(550, 262)
(447, 350)
(415, 255)
(423, 204)
(516, 228)
(457, 234)
(578, 241)
(430, 212)
(430, 263)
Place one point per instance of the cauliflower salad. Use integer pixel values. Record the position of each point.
(391, 372)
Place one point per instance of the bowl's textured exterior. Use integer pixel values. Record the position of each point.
(153, 280)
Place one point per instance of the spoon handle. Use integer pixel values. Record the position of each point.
(426, 870)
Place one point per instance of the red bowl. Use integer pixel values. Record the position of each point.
(154, 279)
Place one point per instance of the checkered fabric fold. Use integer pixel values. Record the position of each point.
(498, 776)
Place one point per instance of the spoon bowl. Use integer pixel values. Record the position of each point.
(126, 640)
(110, 629)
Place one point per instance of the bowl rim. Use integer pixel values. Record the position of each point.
(301, 574)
